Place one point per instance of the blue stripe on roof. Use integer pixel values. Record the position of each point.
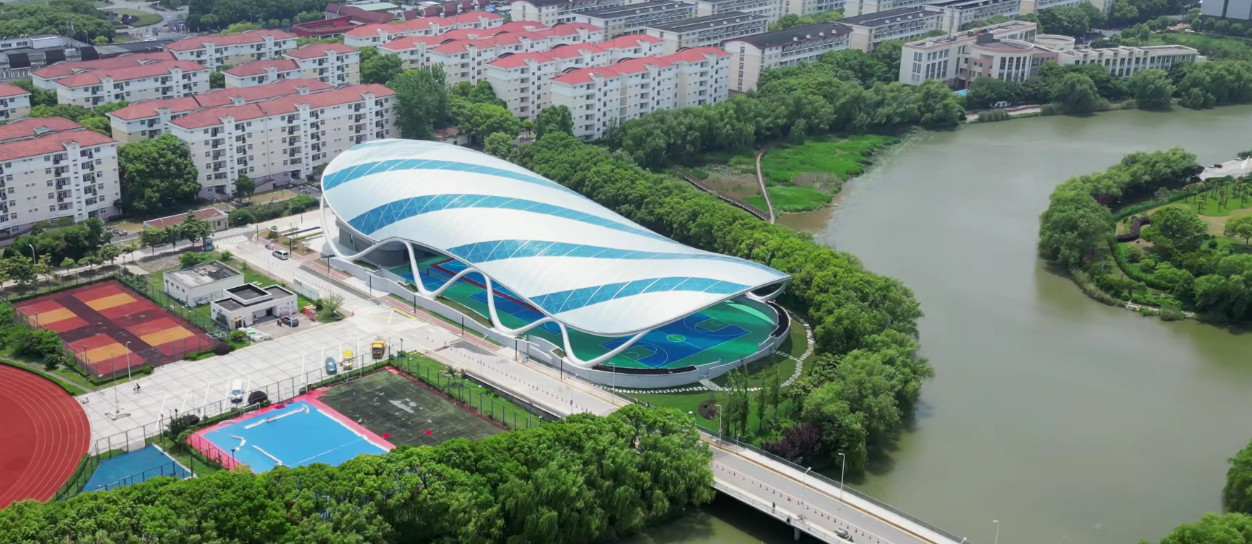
(573, 299)
(375, 219)
(350, 173)
(481, 252)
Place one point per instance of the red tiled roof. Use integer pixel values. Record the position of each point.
(631, 40)
(203, 213)
(518, 60)
(410, 42)
(278, 106)
(218, 40)
(583, 75)
(148, 108)
(423, 23)
(62, 69)
(570, 29)
(358, 14)
(34, 126)
(697, 54)
(575, 50)
(51, 143)
(221, 97)
(521, 26)
(93, 77)
(635, 66)
(7, 90)
(259, 67)
(315, 50)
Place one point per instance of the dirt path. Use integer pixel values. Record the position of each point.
(760, 179)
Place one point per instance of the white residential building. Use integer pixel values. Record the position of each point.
(412, 50)
(53, 168)
(599, 98)
(467, 60)
(946, 58)
(45, 78)
(853, 8)
(633, 18)
(957, 13)
(163, 79)
(553, 12)
(1035, 6)
(333, 63)
(809, 7)
(751, 55)
(14, 102)
(1234, 10)
(217, 51)
(284, 139)
(261, 72)
(709, 30)
(425, 26)
(771, 10)
(904, 24)
(523, 81)
(1125, 61)
(149, 119)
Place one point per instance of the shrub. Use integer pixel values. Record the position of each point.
(193, 258)
(238, 337)
(271, 234)
(1171, 311)
(991, 116)
(1134, 254)
(1147, 265)
(227, 256)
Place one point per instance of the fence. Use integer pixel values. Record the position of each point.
(474, 394)
(156, 293)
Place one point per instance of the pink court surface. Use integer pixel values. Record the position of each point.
(110, 327)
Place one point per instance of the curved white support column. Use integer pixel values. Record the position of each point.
(574, 360)
(777, 292)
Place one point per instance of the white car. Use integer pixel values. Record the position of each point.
(236, 391)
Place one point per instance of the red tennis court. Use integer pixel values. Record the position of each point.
(45, 434)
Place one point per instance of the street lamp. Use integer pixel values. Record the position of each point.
(32, 252)
(719, 421)
(128, 378)
(997, 522)
(842, 470)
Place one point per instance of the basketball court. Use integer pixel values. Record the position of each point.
(725, 332)
(110, 327)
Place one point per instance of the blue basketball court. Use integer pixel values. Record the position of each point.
(134, 467)
(297, 435)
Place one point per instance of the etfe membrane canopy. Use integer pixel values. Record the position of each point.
(571, 258)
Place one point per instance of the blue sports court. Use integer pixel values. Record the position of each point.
(134, 467)
(299, 434)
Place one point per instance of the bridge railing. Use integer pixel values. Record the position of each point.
(828, 481)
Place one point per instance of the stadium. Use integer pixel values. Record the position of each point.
(531, 264)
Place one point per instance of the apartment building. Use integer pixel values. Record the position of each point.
(947, 58)
(553, 12)
(217, 51)
(905, 24)
(1125, 61)
(284, 139)
(14, 102)
(1235, 10)
(523, 81)
(333, 63)
(52, 168)
(412, 50)
(467, 60)
(854, 8)
(151, 118)
(426, 26)
(261, 72)
(633, 18)
(809, 7)
(1035, 6)
(601, 97)
(708, 30)
(751, 55)
(45, 78)
(165, 79)
(771, 10)
(957, 13)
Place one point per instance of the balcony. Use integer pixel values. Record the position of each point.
(240, 150)
(218, 143)
(62, 183)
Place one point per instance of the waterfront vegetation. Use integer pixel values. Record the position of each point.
(583, 479)
(1234, 526)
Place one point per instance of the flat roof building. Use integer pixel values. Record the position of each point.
(707, 31)
(898, 24)
(771, 10)
(202, 283)
(244, 305)
(945, 58)
(751, 55)
(634, 18)
(958, 13)
(554, 12)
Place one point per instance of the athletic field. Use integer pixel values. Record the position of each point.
(725, 332)
(394, 406)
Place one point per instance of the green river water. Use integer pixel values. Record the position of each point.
(1066, 420)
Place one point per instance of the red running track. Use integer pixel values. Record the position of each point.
(45, 434)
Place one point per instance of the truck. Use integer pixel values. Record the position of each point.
(377, 348)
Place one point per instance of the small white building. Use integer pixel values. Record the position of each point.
(243, 305)
(201, 283)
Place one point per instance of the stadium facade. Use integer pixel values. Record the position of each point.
(532, 264)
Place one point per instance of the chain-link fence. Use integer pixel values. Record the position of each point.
(489, 402)
(156, 293)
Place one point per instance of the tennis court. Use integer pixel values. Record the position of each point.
(296, 434)
(133, 468)
(392, 405)
(725, 332)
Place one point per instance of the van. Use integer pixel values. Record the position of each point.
(282, 254)
(236, 391)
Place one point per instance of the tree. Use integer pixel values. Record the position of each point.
(331, 302)
(154, 236)
(156, 175)
(1240, 227)
(1077, 94)
(98, 124)
(244, 186)
(986, 92)
(100, 40)
(377, 67)
(554, 119)
(1152, 89)
(480, 120)
(109, 252)
(38, 97)
(1067, 20)
(240, 28)
(887, 55)
(217, 80)
(1071, 228)
(1176, 230)
(421, 101)
(499, 145)
(792, 20)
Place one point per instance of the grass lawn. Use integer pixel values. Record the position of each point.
(145, 18)
(435, 374)
(791, 199)
(690, 402)
(1212, 207)
(844, 157)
